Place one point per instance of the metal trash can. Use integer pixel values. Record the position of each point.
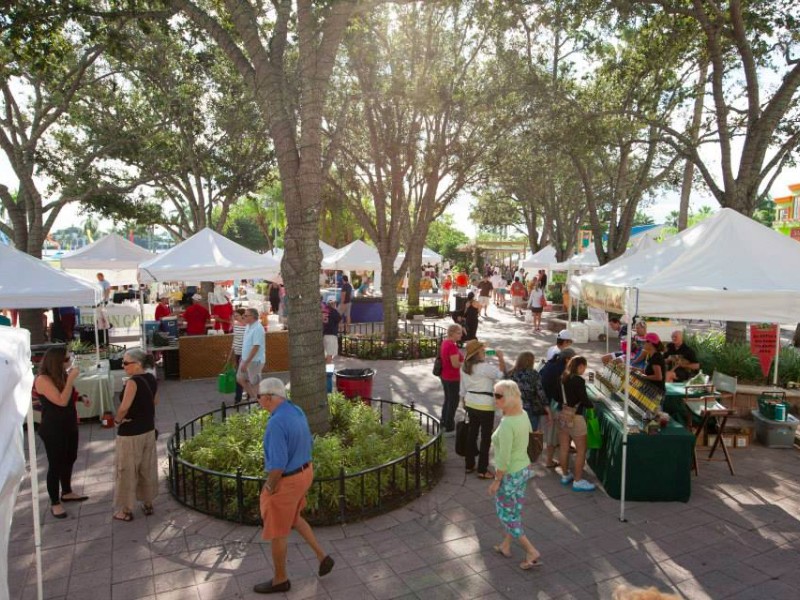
(355, 383)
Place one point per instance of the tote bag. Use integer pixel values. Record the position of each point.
(594, 439)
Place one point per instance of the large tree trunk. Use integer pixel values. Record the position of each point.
(414, 264)
(300, 270)
(735, 331)
(389, 293)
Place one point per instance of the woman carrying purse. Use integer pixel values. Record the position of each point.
(572, 425)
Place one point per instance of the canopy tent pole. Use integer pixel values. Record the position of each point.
(625, 409)
(777, 355)
(96, 336)
(34, 477)
(141, 319)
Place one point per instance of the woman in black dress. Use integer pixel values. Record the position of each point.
(59, 427)
(471, 312)
(274, 297)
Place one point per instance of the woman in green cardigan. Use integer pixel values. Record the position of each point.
(512, 471)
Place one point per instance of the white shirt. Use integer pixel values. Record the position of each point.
(482, 380)
(497, 282)
(551, 352)
(536, 298)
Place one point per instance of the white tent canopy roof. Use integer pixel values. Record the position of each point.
(543, 259)
(580, 262)
(27, 282)
(208, 256)
(429, 257)
(326, 249)
(109, 252)
(728, 267)
(356, 256)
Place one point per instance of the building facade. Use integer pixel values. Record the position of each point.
(787, 213)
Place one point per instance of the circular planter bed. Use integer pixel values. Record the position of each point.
(417, 341)
(374, 459)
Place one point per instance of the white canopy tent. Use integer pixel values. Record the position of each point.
(208, 256)
(580, 262)
(27, 282)
(429, 257)
(727, 267)
(543, 259)
(326, 249)
(356, 256)
(115, 256)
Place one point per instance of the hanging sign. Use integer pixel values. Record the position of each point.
(763, 342)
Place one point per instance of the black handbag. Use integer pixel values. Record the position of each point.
(462, 430)
(535, 445)
(437, 367)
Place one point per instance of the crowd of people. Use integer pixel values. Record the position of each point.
(551, 400)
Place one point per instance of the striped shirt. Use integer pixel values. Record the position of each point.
(238, 338)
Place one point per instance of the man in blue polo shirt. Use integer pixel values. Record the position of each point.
(287, 460)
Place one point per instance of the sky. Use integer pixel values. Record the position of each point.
(659, 209)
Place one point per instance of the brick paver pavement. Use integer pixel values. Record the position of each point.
(738, 536)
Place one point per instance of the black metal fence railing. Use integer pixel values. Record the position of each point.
(415, 341)
(340, 499)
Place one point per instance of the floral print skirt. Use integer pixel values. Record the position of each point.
(508, 501)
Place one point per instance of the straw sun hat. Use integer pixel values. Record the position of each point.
(473, 347)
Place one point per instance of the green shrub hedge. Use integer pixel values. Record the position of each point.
(357, 441)
(736, 360)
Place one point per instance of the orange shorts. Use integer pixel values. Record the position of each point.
(280, 511)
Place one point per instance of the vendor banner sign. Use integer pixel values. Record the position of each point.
(763, 344)
(611, 299)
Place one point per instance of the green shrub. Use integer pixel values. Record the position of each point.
(356, 441)
(788, 366)
(736, 360)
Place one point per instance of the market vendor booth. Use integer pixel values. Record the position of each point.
(27, 282)
(207, 256)
(728, 267)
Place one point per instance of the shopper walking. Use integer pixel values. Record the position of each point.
(512, 471)
(287, 460)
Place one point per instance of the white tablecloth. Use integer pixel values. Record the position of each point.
(98, 385)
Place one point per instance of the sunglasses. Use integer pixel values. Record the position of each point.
(125, 363)
(498, 396)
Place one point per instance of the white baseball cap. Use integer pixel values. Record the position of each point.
(564, 334)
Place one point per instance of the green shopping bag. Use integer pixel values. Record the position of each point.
(594, 439)
(226, 381)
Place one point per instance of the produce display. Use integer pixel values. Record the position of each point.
(645, 398)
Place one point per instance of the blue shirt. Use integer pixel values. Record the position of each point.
(287, 439)
(254, 336)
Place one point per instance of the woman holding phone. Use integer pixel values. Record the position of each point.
(54, 386)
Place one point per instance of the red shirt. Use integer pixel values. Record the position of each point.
(449, 372)
(517, 289)
(162, 311)
(225, 312)
(196, 317)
